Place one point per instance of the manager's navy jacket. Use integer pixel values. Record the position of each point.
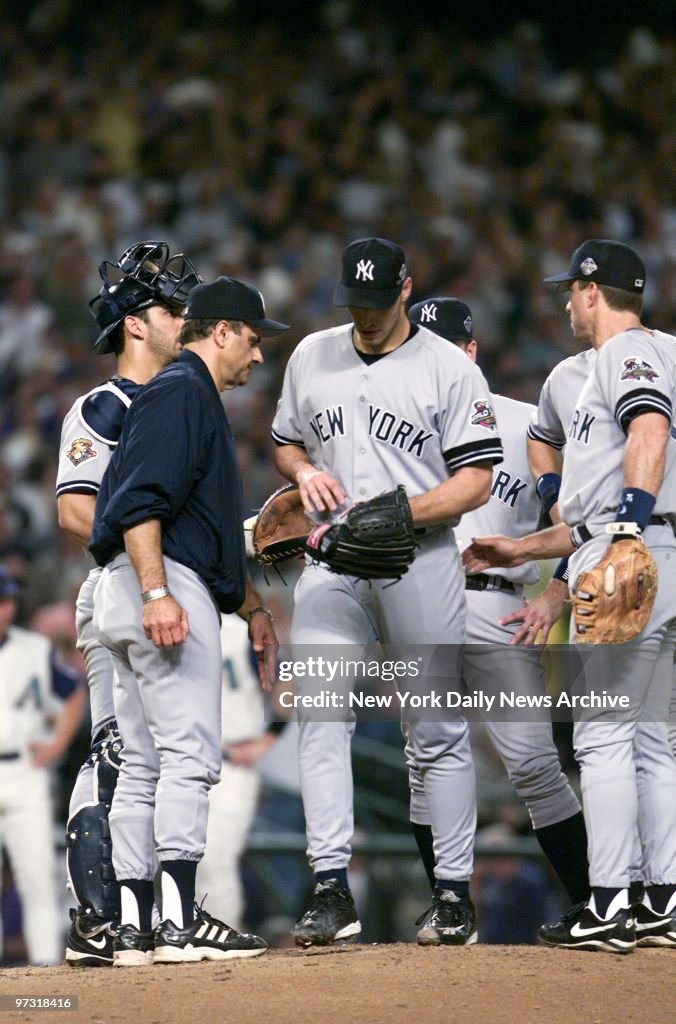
(176, 462)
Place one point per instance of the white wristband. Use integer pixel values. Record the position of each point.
(624, 529)
(155, 594)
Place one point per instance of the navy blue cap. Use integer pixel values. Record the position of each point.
(226, 298)
(373, 273)
(606, 262)
(449, 318)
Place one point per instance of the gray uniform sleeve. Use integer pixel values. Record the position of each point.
(635, 377)
(286, 426)
(546, 425)
(468, 426)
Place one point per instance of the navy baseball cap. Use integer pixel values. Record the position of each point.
(374, 271)
(606, 262)
(226, 298)
(449, 318)
(8, 585)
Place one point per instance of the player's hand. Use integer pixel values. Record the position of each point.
(539, 615)
(319, 491)
(248, 752)
(487, 552)
(265, 646)
(165, 622)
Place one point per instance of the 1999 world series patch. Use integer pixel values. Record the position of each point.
(483, 415)
(81, 449)
(634, 368)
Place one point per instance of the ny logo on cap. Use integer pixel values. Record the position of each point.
(365, 270)
(428, 314)
(588, 266)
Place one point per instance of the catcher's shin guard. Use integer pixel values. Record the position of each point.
(89, 851)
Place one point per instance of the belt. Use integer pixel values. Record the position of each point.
(11, 755)
(662, 521)
(481, 581)
(581, 534)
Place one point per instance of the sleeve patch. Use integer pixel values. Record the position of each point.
(482, 415)
(81, 449)
(635, 368)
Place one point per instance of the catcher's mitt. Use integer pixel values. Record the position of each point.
(613, 601)
(375, 540)
(280, 529)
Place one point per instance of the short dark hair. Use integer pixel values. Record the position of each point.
(617, 298)
(116, 339)
(196, 330)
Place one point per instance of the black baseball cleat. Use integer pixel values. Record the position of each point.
(580, 928)
(205, 939)
(653, 929)
(132, 948)
(90, 941)
(450, 921)
(331, 917)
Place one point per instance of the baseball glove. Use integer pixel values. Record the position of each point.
(374, 540)
(613, 601)
(280, 529)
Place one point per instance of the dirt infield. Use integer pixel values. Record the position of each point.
(380, 984)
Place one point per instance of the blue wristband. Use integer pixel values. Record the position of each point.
(548, 487)
(561, 572)
(635, 506)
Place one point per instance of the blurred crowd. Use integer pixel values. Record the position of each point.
(260, 153)
(260, 147)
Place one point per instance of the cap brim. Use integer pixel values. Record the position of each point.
(267, 326)
(365, 298)
(558, 278)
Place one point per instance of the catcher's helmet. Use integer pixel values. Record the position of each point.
(144, 275)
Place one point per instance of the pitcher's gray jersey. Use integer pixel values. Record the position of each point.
(558, 399)
(514, 506)
(634, 373)
(413, 417)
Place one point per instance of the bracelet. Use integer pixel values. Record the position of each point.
(155, 594)
(254, 611)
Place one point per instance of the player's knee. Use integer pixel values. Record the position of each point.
(535, 775)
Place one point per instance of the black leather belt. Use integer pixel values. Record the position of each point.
(581, 534)
(12, 755)
(662, 521)
(482, 581)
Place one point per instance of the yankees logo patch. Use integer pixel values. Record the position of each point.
(588, 266)
(365, 270)
(483, 416)
(637, 369)
(80, 450)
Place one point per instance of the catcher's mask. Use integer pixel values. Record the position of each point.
(144, 275)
